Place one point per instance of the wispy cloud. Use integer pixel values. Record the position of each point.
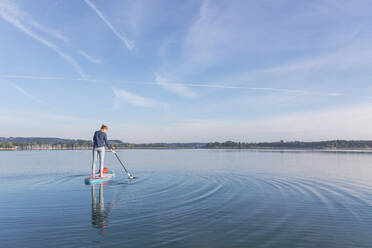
(15, 11)
(28, 95)
(179, 89)
(40, 77)
(48, 31)
(123, 96)
(209, 38)
(213, 35)
(89, 57)
(356, 55)
(125, 40)
(184, 88)
(282, 90)
(204, 35)
(12, 14)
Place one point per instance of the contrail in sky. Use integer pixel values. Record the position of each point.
(18, 19)
(124, 39)
(25, 93)
(196, 85)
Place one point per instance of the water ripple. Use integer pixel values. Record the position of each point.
(173, 205)
(232, 210)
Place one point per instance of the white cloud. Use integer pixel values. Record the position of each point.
(177, 88)
(12, 14)
(89, 57)
(125, 40)
(135, 100)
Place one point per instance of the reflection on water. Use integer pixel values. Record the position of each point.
(98, 209)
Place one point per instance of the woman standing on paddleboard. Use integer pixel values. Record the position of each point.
(99, 142)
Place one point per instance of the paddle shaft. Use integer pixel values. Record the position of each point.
(121, 163)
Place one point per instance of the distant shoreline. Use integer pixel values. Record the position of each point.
(365, 150)
(38, 143)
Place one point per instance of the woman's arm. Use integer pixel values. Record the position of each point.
(108, 144)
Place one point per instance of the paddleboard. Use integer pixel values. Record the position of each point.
(106, 177)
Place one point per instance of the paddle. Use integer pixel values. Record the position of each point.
(129, 175)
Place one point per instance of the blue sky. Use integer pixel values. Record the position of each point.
(181, 71)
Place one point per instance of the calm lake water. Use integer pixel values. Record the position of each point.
(187, 198)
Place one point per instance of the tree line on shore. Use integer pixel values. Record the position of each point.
(70, 144)
(66, 144)
(330, 144)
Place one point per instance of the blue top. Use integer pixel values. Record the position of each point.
(100, 139)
